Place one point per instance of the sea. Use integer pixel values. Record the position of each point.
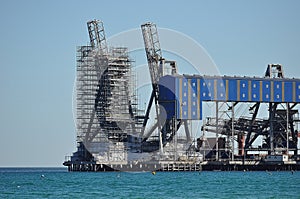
(59, 183)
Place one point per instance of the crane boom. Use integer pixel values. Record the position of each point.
(97, 35)
(153, 53)
(154, 58)
(157, 68)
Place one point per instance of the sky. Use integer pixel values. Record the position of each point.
(38, 42)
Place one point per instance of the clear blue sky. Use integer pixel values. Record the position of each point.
(37, 51)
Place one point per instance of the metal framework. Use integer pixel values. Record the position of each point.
(97, 35)
(106, 100)
(157, 68)
(278, 131)
(112, 134)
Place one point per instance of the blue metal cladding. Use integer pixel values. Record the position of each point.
(207, 88)
(167, 88)
(255, 91)
(167, 95)
(243, 90)
(199, 110)
(220, 94)
(297, 96)
(182, 96)
(204, 90)
(167, 109)
(232, 90)
(266, 91)
(188, 105)
(179, 100)
(193, 108)
(277, 87)
(288, 91)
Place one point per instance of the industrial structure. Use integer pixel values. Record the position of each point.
(114, 135)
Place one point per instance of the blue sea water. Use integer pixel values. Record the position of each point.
(58, 183)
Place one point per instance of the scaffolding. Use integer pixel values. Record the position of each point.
(87, 79)
(106, 101)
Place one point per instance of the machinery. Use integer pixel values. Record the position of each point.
(166, 126)
(113, 135)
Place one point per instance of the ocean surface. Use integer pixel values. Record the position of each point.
(58, 183)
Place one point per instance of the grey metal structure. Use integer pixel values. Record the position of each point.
(154, 57)
(278, 131)
(106, 104)
(157, 65)
(113, 135)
